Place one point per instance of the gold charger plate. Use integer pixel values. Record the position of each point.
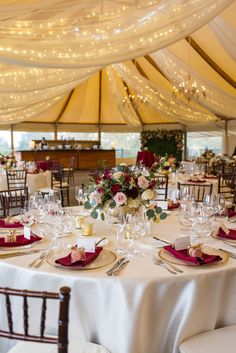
(168, 257)
(225, 240)
(105, 258)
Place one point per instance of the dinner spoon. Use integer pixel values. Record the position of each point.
(161, 263)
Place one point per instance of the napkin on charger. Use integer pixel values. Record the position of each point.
(197, 261)
(230, 236)
(20, 241)
(14, 224)
(89, 257)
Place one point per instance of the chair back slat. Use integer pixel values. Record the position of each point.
(12, 201)
(162, 187)
(43, 316)
(197, 191)
(16, 178)
(9, 313)
(61, 339)
(26, 315)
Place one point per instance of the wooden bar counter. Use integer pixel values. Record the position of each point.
(84, 158)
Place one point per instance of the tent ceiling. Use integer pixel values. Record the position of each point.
(93, 103)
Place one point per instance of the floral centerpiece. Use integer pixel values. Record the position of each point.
(163, 164)
(7, 161)
(208, 154)
(126, 188)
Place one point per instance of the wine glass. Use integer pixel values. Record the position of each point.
(27, 215)
(79, 195)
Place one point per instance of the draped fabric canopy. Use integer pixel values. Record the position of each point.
(51, 54)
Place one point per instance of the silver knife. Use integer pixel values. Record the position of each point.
(20, 253)
(117, 271)
(163, 241)
(115, 266)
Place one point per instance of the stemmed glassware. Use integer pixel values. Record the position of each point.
(80, 195)
(27, 215)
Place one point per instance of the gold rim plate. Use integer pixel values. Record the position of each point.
(105, 258)
(168, 257)
(225, 240)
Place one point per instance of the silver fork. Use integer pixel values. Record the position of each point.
(38, 261)
(161, 263)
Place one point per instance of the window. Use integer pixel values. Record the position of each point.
(5, 142)
(197, 142)
(126, 144)
(22, 139)
(83, 136)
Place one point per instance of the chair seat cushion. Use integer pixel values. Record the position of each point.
(63, 185)
(75, 346)
(216, 341)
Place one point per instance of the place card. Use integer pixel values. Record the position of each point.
(225, 229)
(88, 244)
(27, 232)
(163, 204)
(182, 243)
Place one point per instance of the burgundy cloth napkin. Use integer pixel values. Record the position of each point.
(21, 241)
(230, 236)
(231, 213)
(173, 206)
(196, 181)
(5, 224)
(197, 261)
(89, 257)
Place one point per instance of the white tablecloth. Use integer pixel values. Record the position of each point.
(34, 181)
(143, 310)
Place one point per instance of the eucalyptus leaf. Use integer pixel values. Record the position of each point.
(94, 214)
(163, 215)
(87, 205)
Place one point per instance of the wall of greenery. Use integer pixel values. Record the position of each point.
(163, 142)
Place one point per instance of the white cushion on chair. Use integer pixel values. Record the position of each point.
(216, 341)
(75, 346)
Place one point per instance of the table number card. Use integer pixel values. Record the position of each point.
(88, 244)
(182, 243)
(27, 232)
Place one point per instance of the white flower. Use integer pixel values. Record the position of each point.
(120, 199)
(148, 195)
(133, 203)
(117, 175)
(166, 164)
(143, 183)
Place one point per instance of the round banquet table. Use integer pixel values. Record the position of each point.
(34, 181)
(143, 310)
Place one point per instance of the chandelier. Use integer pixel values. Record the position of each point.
(189, 90)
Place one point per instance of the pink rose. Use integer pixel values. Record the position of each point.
(143, 183)
(120, 198)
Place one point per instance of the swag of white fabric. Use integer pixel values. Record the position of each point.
(160, 99)
(218, 101)
(117, 87)
(93, 33)
(226, 34)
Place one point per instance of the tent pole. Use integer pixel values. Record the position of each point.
(55, 131)
(226, 140)
(100, 108)
(12, 139)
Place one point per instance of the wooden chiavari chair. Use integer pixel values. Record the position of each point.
(197, 191)
(16, 178)
(12, 201)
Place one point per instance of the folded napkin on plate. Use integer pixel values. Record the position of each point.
(196, 181)
(197, 261)
(89, 257)
(21, 241)
(231, 213)
(174, 205)
(14, 224)
(230, 236)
